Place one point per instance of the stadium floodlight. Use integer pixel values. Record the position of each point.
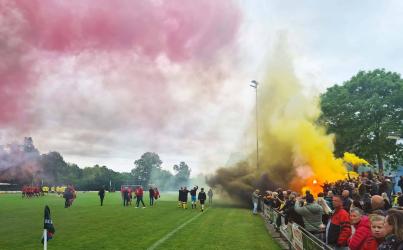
(254, 85)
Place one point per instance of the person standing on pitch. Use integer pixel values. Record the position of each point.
(152, 194)
(180, 196)
(101, 194)
(210, 196)
(125, 197)
(139, 195)
(202, 198)
(185, 198)
(193, 196)
(156, 194)
(255, 200)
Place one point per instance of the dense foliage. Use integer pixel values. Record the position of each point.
(23, 164)
(366, 115)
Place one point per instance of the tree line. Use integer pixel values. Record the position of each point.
(366, 115)
(23, 164)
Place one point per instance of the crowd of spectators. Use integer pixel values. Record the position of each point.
(356, 213)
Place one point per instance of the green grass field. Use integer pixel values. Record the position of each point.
(87, 225)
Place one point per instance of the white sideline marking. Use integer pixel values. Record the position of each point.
(163, 239)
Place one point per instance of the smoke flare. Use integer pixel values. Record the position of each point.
(295, 153)
(353, 159)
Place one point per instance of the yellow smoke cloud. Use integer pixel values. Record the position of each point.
(290, 138)
(294, 152)
(353, 159)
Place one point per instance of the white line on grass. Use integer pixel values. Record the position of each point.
(163, 239)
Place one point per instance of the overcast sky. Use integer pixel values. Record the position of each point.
(103, 84)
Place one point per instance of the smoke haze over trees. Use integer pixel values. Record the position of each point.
(23, 164)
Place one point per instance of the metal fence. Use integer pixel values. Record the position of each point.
(297, 237)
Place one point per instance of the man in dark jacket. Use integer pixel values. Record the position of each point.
(202, 198)
(347, 201)
(339, 229)
(101, 195)
(180, 195)
(185, 198)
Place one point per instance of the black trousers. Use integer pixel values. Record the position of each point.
(126, 201)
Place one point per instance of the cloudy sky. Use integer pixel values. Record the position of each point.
(103, 83)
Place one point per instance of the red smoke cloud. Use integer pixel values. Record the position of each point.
(34, 30)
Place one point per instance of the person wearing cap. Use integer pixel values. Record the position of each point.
(255, 200)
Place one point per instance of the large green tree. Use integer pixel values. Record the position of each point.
(366, 113)
(144, 167)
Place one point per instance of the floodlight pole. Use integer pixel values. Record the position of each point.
(254, 85)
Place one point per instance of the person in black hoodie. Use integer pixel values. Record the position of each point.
(126, 197)
(202, 198)
(184, 198)
(180, 196)
(101, 194)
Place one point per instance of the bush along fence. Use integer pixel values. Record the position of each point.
(297, 237)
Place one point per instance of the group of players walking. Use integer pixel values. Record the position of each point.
(127, 192)
(127, 195)
(201, 197)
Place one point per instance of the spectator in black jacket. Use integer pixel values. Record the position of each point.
(101, 194)
(290, 214)
(347, 201)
